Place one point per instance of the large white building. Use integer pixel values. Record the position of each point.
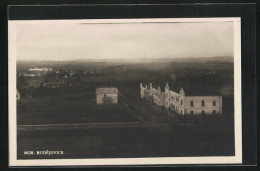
(181, 103)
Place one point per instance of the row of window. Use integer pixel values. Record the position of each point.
(203, 112)
(203, 103)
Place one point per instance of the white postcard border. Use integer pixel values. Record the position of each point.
(237, 159)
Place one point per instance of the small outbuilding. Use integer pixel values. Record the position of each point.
(107, 95)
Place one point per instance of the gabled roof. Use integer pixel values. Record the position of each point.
(155, 84)
(195, 90)
(200, 91)
(189, 89)
(107, 90)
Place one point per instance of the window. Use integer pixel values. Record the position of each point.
(214, 112)
(203, 112)
(181, 102)
(214, 102)
(191, 103)
(202, 103)
(191, 112)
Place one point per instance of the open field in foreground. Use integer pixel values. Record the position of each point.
(139, 140)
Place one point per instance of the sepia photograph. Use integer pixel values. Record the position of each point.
(125, 91)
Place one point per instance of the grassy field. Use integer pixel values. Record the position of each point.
(70, 108)
(194, 139)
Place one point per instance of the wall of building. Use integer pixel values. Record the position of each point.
(142, 90)
(162, 98)
(100, 97)
(159, 99)
(147, 95)
(167, 97)
(152, 95)
(208, 107)
(179, 103)
(174, 102)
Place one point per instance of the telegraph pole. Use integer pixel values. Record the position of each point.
(142, 109)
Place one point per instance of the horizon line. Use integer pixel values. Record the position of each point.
(125, 58)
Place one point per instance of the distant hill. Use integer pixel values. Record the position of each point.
(136, 60)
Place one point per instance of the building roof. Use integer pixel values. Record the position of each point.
(200, 91)
(189, 89)
(107, 90)
(195, 90)
(155, 84)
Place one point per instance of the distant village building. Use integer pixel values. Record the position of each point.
(119, 68)
(36, 69)
(18, 96)
(107, 95)
(181, 103)
(29, 75)
(37, 72)
(54, 84)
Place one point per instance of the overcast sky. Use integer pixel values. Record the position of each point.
(63, 41)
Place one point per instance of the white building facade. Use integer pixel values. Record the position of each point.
(174, 101)
(203, 105)
(152, 94)
(182, 104)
